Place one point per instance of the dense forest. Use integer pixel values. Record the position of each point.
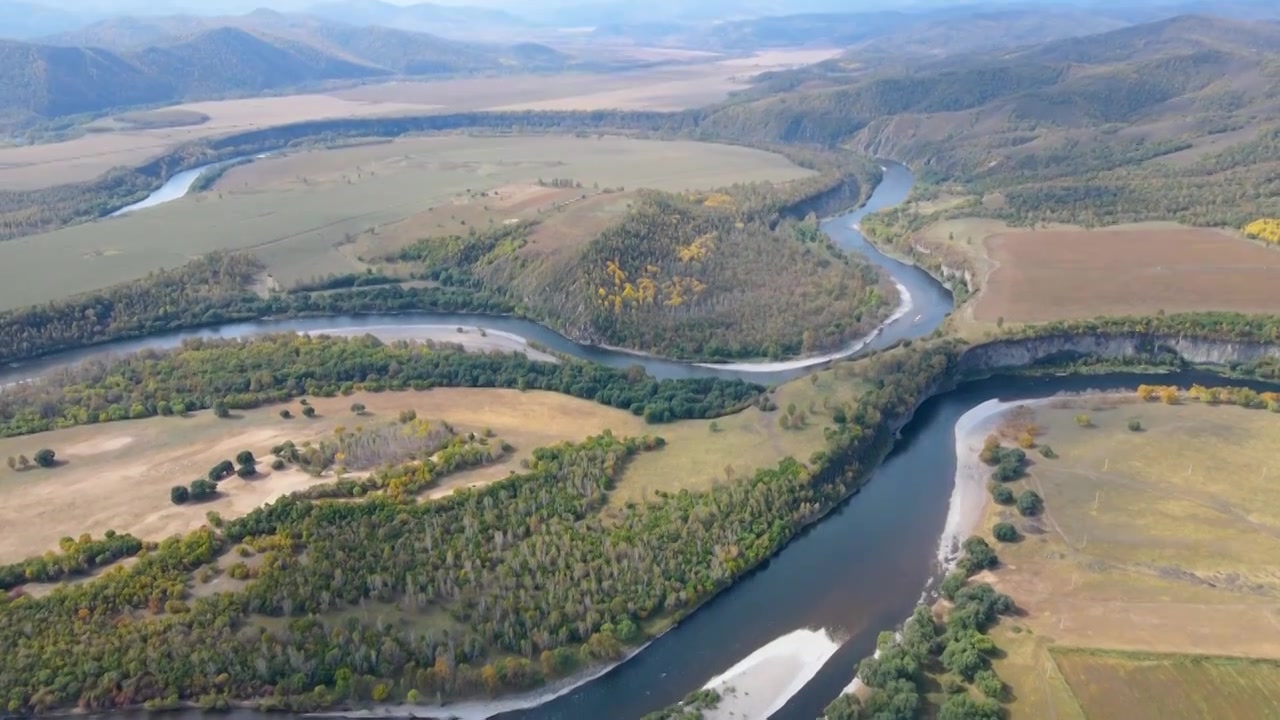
(711, 275)
(530, 577)
(249, 373)
(211, 290)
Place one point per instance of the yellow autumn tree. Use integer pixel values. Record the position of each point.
(1267, 229)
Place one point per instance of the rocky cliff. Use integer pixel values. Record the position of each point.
(1163, 349)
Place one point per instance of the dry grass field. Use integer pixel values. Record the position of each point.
(1170, 687)
(1059, 272)
(1158, 541)
(1054, 274)
(117, 476)
(694, 82)
(696, 456)
(298, 211)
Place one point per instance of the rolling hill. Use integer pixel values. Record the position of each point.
(129, 62)
(1086, 130)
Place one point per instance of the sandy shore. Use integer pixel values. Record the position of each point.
(904, 306)
(765, 680)
(969, 497)
(470, 337)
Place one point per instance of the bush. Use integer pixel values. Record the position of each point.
(203, 489)
(952, 584)
(224, 469)
(246, 471)
(963, 707)
(245, 457)
(44, 458)
(1135, 425)
(1030, 504)
(285, 414)
(989, 684)
(1047, 452)
(358, 408)
(1003, 495)
(277, 464)
(179, 494)
(1005, 532)
(220, 409)
(309, 411)
(978, 556)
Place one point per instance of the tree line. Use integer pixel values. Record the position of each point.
(240, 374)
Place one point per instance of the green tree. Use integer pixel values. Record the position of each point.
(309, 411)
(358, 408)
(179, 494)
(963, 658)
(989, 684)
(1003, 495)
(845, 707)
(164, 408)
(203, 489)
(45, 458)
(220, 409)
(285, 414)
(245, 457)
(1004, 532)
(952, 584)
(1030, 504)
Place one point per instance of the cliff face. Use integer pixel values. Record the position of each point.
(1015, 353)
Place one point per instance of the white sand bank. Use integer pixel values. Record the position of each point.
(765, 680)
(969, 497)
(904, 306)
(470, 337)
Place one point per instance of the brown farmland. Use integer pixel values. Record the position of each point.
(1044, 275)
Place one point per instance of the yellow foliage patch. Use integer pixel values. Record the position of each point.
(1267, 229)
(699, 249)
(718, 200)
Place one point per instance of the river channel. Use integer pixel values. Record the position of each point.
(858, 572)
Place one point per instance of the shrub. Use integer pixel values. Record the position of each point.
(44, 457)
(1030, 503)
(245, 457)
(1047, 452)
(989, 684)
(277, 464)
(179, 494)
(286, 414)
(1004, 532)
(309, 411)
(1003, 495)
(1135, 425)
(358, 408)
(978, 556)
(203, 489)
(1084, 420)
(246, 471)
(220, 409)
(952, 584)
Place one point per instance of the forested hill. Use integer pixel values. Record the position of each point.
(45, 81)
(1104, 113)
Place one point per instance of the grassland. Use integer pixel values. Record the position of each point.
(662, 87)
(1059, 272)
(296, 212)
(1164, 687)
(1158, 541)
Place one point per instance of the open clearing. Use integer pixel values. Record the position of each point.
(665, 87)
(1043, 275)
(1171, 687)
(117, 476)
(1160, 541)
(297, 211)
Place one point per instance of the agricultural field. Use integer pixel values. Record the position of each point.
(298, 212)
(1165, 687)
(1059, 272)
(1160, 539)
(114, 143)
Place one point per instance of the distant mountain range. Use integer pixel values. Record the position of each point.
(132, 61)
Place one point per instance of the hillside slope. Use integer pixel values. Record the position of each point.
(1085, 130)
(160, 60)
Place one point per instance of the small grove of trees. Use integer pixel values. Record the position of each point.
(1009, 463)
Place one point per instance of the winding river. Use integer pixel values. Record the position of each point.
(859, 571)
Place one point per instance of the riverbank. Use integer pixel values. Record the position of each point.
(471, 338)
(765, 680)
(904, 306)
(968, 501)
